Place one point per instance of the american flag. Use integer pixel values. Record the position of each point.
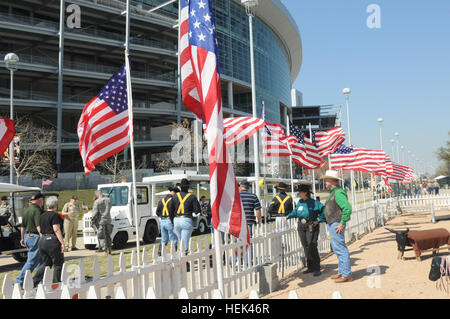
(202, 95)
(359, 159)
(304, 152)
(46, 182)
(239, 129)
(273, 141)
(103, 129)
(401, 173)
(328, 141)
(7, 131)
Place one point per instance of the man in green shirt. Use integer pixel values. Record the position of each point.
(30, 233)
(337, 214)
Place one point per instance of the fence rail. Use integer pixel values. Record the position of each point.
(193, 275)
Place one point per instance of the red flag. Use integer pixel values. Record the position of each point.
(7, 131)
(202, 95)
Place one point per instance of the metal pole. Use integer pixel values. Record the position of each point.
(313, 174)
(352, 175)
(252, 68)
(196, 143)
(290, 157)
(179, 97)
(381, 137)
(130, 114)
(60, 85)
(11, 116)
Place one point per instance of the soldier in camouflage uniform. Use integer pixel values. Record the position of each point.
(101, 215)
(6, 212)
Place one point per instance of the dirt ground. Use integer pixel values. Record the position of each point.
(397, 279)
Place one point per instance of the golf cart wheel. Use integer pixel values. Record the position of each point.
(202, 227)
(20, 257)
(90, 246)
(150, 233)
(120, 240)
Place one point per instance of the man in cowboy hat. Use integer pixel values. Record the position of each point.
(184, 204)
(337, 213)
(310, 213)
(166, 214)
(71, 210)
(281, 205)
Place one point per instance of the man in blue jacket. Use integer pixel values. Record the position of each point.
(310, 213)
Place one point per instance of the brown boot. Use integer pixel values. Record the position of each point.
(337, 276)
(343, 279)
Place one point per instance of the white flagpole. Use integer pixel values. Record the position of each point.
(264, 136)
(313, 174)
(196, 144)
(288, 126)
(130, 123)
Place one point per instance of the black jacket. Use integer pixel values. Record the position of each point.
(274, 208)
(191, 205)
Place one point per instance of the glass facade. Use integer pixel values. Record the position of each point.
(272, 69)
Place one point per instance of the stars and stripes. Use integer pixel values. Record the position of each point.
(273, 141)
(7, 131)
(103, 129)
(239, 129)
(401, 173)
(202, 95)
(304, 152)
(328, 141)
(46, 182)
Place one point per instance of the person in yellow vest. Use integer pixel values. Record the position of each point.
(281, 205)
(166, 214)
(184, 204)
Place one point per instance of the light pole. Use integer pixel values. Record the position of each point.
(11, 61)
(380, 121)
(409, 158)
(403, 154)
(398, 153)
(249, 7)
(393, 152)
(346, 92)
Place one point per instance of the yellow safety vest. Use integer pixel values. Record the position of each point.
(181, 207)
(165, 211)
(282, 201)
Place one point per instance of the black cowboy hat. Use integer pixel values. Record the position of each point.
(4, 197)
(174, 189)
(303, 188)
(37, 195)
(184, 183)
(281, 186)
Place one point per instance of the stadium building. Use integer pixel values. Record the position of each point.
(45, 85)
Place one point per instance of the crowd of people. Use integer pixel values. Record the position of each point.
(47, 234)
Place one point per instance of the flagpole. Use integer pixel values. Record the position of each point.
(130, 120)
(264, 174)
(313, 174)
(196, 142)
(290, 157)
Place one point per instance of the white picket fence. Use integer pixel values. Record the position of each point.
(167, 275)
(424, 202)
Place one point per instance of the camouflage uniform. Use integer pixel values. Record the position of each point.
(101, 215)
(6, 214)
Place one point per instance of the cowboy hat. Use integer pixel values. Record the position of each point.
(281, 186)
(332, 174)
(184, 183)
(303, 188)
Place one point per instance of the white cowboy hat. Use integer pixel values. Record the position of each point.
(331, 174)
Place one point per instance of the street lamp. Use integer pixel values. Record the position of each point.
(393, 153)
(403, 154)
(398, 153)
(409, 158)
(347, 92)
(380, 121)
(249, 7)
(11, 61)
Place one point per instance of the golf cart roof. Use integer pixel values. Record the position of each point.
(6, 187)
(193, 178)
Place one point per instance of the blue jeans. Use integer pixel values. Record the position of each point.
(33, 258)
(183, 229)
(341, 250)
(167, 232)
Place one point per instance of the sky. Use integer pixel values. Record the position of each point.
(400, 71)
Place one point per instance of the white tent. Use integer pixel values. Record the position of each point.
(6, 188)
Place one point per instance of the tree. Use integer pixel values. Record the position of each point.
(36, 154)
(117, 167)
(443, 154)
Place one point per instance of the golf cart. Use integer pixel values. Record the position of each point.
(10, 227)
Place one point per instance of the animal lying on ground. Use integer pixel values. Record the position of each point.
(421, 240)
(440, 268)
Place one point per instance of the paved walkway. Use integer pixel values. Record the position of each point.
(397, 279)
